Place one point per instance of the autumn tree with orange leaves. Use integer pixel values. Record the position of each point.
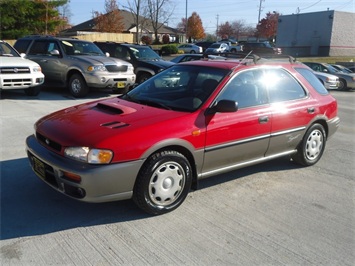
(267, 27)
(112, 21)
(195, 29)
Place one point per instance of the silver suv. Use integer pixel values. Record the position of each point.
(17, 72)
(76, 64)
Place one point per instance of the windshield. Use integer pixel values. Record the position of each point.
(73, 47)
(179, 88)
(7, 50)
(144, 53)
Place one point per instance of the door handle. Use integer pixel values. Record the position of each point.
(263, 119)
(310, 110)
(44, 60)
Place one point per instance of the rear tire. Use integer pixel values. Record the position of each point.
(163, 182)
(77, 86)
(312, 146)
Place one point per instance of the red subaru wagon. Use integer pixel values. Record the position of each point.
(191, 121)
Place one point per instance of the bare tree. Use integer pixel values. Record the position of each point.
(138, 9)
(159, 12)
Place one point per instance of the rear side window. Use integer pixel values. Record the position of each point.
(282, 86)
(313, 80)
(22, 45)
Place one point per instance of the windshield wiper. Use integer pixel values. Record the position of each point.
(154, 104)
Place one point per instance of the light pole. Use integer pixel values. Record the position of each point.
(186, 23)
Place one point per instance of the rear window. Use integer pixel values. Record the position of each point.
(313, 80)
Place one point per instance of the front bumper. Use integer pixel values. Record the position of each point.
(99, 183)
(21, 81)
(114, 81)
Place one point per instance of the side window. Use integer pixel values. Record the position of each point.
(22, 45)
(282, 86)
(52, 46)
(38, 48)
(313, 80)
(245, 89)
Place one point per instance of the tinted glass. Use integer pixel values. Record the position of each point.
(182, 88)
(313, 80)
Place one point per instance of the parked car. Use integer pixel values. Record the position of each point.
(346, 81)
(191, 121)
(342, 68)
(145, 60)
(192, 57)
(330, 82)
(260, 48)
(76, 64)
(234, 46)
(217, 48)
(189, 48)
(17, 72)
(204, 45)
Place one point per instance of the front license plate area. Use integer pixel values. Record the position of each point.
(39, 168)
(121, 85)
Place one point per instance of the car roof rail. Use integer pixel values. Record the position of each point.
(275, 57)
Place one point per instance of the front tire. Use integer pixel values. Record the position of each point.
(163, 182)
(77, 86)
(312, 146)
(342, 84)
(143, 77)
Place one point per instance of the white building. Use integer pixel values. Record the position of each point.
(326, 33)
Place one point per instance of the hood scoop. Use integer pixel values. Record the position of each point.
(114, 124)
(113, 108)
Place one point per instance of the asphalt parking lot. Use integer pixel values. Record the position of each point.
(276, 213)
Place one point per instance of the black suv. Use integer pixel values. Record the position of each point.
(260, 48)
(145, 60)
(76, 64)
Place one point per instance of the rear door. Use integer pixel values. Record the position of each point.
(292, 110)
(52, 66)
(238, 137)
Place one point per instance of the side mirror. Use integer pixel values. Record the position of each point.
(54, 52)
(223, 106)
(107, 54)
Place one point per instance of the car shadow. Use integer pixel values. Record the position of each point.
(29, 207)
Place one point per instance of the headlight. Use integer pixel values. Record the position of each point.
(85, 154)
(97, 68)
(37, 69)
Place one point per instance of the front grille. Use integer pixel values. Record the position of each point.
(48, 142)
(115, 68)
(14, 70)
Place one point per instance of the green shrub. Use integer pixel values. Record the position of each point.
(169, 49)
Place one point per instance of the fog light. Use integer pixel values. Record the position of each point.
(103, 79)
(81, 192)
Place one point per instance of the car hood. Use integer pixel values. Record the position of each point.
(98, 123)
(158, 63)
(94, 59)
(11, 61)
